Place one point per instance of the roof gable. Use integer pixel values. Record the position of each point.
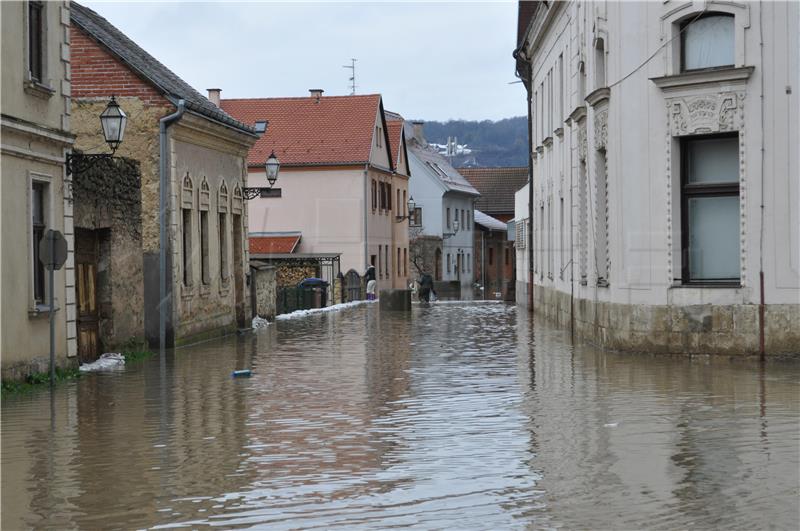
(437, 167)
(397, 142)
(147, 66)
(329, 130)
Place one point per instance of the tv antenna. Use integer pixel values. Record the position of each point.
(352, 67)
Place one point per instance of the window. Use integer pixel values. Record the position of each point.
(205, 275)
(388, 196)
(399, 205)
(448, 262)
(507, 256)
(707, 42)
(404, 205)
(374, 194)
(560, 88)
(223, 247)
(457, 224)
(583, 222)
(380, 262)
(469, 261)
(448, 224)
(463, 264)
(187, 246)
(418, 216)
(561, 244)
(378, 135)
(601, 218)
(600, 64)
(386, 262)
(710, 209)
(399, 265)
(36, 40)
(491, 255)
(405, 261)
(38, 225)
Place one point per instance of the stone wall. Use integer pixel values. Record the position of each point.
(695, 329)
(264, 281)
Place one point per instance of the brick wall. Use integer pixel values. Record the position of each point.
(98, 74)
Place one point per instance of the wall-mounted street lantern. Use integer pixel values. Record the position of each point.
(446, 235)
(272, 167)
(411, 207)
(113, 121)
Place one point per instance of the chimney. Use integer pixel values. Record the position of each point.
(419, 136)
(316, 93)
(213, 95)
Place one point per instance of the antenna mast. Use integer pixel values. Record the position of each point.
(352, 67)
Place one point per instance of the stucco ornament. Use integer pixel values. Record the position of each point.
(582, 147)
(712, 113)
(600, 129)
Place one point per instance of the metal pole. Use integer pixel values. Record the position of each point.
(162, 221)
(51, 241)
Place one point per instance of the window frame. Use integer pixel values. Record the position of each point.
(682, 28)
(37, 267)
(692, 190)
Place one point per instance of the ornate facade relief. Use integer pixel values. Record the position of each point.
(710, 113)
(582, 147)
(600, 128)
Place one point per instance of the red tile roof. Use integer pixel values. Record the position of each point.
(273, 244)
(395, 129)
(310, 131)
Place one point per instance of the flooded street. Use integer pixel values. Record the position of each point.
(461, 415)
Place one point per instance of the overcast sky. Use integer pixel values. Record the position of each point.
(433, 61)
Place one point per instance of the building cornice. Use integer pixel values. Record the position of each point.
(702, 78)
(541, 24)
(30, 128)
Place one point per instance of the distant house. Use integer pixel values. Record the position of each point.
(442, 226)
(497, 187)
(119, 251)
(35, 194)
(339, 188)
(495, 259)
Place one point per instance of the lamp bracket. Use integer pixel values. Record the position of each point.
(81, 162)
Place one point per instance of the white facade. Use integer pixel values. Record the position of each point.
(447, 213)
(659, 131)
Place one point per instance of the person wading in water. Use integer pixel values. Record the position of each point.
(371, 283)
(426, 288)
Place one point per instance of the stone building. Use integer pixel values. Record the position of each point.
(665, 172)
(207, 291)
(442, 226)
(339, 189)
(34, 190)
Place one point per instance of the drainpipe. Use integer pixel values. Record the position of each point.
(483, 262)
(524, 73)
(163, 168)
(762, 304)
(366, 214)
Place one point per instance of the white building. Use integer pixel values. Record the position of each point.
(443, 226)
(665, 172)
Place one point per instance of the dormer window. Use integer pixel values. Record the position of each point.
(708, 42)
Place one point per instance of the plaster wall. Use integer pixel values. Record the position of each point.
(35, 140)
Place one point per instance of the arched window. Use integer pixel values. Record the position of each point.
(708, 42)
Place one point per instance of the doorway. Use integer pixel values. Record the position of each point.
(88, 329)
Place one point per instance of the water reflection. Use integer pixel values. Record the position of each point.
(461, 415)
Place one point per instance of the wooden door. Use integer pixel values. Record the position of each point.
(86, 250)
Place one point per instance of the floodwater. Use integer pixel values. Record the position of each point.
(460, 415)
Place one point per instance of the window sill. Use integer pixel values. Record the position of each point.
(559, 132)
(577, 114)
(548, 142)
(40, 309)
(34, 88)
(698, 78)
(706, 285)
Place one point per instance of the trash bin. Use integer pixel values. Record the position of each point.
(318, 289)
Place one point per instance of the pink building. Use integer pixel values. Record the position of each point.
(343, 183)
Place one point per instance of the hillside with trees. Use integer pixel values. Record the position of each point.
(490, 143)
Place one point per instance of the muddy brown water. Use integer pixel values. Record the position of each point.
(460, 415)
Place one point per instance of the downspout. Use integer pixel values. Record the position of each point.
(524, 73)
(761, 305)
(162, 221)
(366, 214)
(483, 262)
